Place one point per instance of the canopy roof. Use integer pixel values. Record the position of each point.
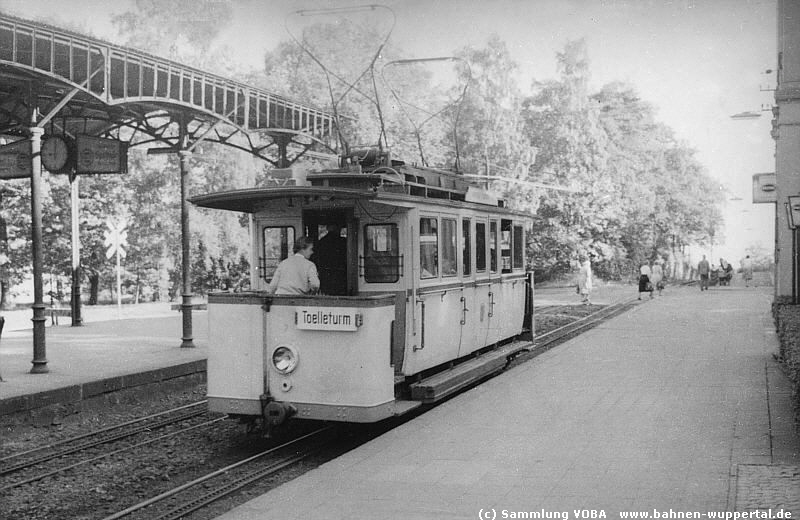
(81, 85)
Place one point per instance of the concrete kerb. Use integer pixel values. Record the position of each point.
(81, 392)
(2, 323)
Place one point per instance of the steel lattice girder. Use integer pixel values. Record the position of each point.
(139, 98)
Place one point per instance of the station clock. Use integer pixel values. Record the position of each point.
(55, 153)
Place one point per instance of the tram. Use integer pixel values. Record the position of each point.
(432, 295)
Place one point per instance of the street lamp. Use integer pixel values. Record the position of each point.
(794, 211)
(793, 219)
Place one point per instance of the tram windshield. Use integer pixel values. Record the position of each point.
(278, 242)
(381, 253)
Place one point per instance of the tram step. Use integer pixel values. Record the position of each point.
(445, 383)
(402, 406)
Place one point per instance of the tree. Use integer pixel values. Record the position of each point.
(642, 193)
(15, 252)
(491, 130)
(564, 126)
(182, 30)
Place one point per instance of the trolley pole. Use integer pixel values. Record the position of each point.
(39, 347)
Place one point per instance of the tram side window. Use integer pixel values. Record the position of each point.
(381, 253)
(480, 247)
(519, 248)
(493, 246)
(449, 248)
(278, 242)
(466, 244)
(428, 248)
(505, 245)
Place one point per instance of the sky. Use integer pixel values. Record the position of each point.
(697, 61)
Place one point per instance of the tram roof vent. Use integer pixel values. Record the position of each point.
(367, 157)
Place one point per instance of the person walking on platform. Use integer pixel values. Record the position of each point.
(585, 279)
(747, 270)
(703, 269)
(657, 278)
(645, 285)
(296, 274)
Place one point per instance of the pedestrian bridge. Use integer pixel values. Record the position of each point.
(97, 88)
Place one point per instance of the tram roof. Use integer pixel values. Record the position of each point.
(88, 86)
(251, 200)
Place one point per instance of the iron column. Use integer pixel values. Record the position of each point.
(39, 347)
(186, 263)
(76, 255)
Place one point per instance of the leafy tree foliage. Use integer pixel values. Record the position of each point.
(638, 192)
(641, 194)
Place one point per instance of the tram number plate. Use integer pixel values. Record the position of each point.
(327, 318)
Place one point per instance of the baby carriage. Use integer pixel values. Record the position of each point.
(713, 277)
(725, 272)
(725, 275)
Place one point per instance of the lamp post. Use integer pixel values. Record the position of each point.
(793, 218)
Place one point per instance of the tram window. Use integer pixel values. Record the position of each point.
(505, 245)
(480, 247)
(278, 243)
(519, 248)
(449, 248)
(428, 248)
(381, 258)
(493, 246)
(466, 244)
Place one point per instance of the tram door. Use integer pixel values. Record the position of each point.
(333, 236)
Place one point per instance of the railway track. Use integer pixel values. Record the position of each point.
(199, 493)
(30, 459)
(558, 335)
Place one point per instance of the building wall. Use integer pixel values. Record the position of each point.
(786, 132)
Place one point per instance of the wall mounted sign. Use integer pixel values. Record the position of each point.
(765, 188)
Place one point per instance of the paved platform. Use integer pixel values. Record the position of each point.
(677, 405)
(113, 349)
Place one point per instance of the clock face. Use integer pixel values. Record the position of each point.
(55, 153)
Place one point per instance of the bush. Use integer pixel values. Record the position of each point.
(787, 320)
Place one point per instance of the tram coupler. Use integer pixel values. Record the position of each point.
(275, 413)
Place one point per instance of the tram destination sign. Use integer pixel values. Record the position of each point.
(15, 160)
(100, 155)
(327, 318)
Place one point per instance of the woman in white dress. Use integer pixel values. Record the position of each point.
(657, 278)
(585, 280)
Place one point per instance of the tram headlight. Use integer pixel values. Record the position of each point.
(284, 359)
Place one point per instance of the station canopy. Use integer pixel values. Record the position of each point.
(83, 86)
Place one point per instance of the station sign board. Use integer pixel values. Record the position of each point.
(15, 160)
(100, 155)
(765, 188)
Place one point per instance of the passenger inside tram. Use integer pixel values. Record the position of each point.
(331, 259)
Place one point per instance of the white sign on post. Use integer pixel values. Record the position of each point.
(115, 240)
